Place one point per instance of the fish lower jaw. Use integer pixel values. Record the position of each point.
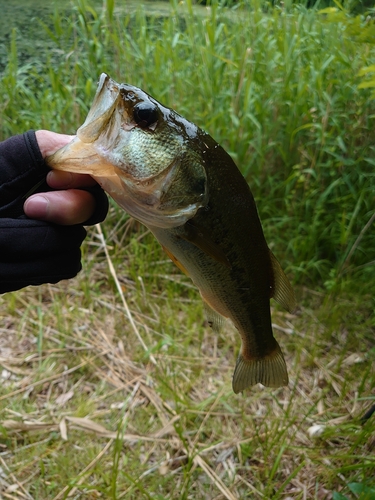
(145, 207)
(151, 216)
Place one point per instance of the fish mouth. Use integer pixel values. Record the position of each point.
(81, 155)
(104, 104)
(93, 151)
(107, 119)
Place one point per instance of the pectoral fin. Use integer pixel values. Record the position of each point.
(282, 290)
(201, 238)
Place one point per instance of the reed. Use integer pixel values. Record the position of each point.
(96, 413)
(278, 89)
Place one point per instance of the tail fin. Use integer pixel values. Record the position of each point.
(270, 371)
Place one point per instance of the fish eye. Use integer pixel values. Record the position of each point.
(145, 114)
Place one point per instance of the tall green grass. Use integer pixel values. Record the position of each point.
(277, 88)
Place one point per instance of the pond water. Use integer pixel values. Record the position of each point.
(25, 16)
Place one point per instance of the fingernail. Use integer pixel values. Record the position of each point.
(37, 207)
(58, 179)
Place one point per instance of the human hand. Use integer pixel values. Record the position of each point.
(45, 246)
(66, 204)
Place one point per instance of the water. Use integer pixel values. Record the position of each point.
(25, 19)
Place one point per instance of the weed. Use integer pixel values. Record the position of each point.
(112, 384)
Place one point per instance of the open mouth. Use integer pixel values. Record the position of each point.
(80, 155)
(103, 106)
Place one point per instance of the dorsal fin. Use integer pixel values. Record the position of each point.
(282, 290)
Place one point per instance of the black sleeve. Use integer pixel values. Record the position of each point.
(21, 168)
(34, 252)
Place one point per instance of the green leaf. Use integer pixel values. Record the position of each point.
(367, 85)
(366, 70)
(338, 496)
(366, 492)
(328, 10)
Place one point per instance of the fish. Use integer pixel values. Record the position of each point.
(173, 177)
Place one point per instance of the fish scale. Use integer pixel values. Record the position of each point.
(177, 180)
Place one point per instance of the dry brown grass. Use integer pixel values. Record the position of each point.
(86, 412)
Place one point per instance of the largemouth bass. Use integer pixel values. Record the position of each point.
(174, 178)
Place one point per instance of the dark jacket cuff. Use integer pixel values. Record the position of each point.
(21, 168)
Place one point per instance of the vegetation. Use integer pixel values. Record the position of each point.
(113, 386)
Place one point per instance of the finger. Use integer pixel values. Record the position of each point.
(69, 207)
(57, 179)
(49, 142)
